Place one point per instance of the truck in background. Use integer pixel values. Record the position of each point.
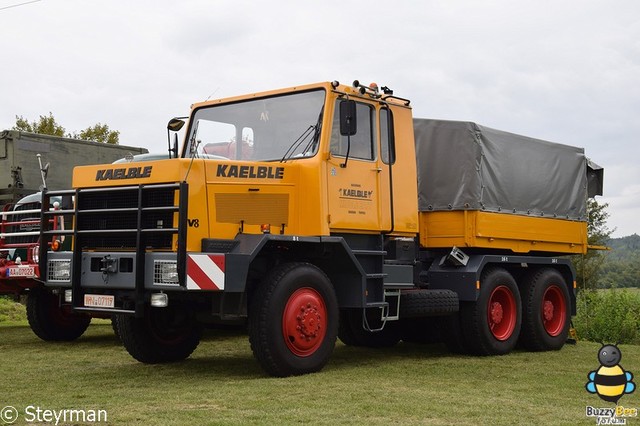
(332, 214)
(20, 171)
(21, 178)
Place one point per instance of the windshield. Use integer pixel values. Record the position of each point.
(268, 129)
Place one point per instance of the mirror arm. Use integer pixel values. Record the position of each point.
(346, 158)
(174, 149)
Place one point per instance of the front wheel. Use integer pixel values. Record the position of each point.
(546, 311)
(293, 320)
(491, 325)
(52, 322)
(162, 335)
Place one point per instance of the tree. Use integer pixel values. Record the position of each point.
(47, 125)
(100, 133)
(589, 266)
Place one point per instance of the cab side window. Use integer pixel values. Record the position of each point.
(387, 140)
(363, 142)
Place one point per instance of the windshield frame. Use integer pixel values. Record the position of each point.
(295, 133)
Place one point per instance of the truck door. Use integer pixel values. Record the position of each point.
(356, 175)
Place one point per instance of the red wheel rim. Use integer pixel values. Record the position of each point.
(554, 310)
(502, 313)
(304, 322)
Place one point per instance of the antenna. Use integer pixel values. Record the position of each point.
(43, 171)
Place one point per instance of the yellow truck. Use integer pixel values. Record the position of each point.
(327, 211)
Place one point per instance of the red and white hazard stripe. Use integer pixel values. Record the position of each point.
(205, 272)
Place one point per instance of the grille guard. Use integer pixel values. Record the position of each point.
(141, 233)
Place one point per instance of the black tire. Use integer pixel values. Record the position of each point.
(491, 325)
(162, 335)
(546, 312)
(293, 320)
(422, 303)
(352, 332)
(114, 326)
(51, 322)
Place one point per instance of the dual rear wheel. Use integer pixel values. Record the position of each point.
(537, 314)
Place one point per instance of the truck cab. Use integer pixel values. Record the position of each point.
(287, 164)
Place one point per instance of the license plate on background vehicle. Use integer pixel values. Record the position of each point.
(22, 271)
(99, 301)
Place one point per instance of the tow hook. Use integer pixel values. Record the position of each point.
(108, 265)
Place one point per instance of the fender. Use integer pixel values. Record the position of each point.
(331, 254)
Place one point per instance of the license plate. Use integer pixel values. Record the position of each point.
(99, 301)
(22, 271)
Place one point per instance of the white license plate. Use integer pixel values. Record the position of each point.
(22, 271)
(99, 301)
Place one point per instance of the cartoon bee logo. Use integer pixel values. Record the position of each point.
(610, 381)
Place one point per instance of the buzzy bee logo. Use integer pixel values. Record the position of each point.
(610, 382)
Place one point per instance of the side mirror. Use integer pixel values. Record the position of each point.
(348, 122)
(175, 124)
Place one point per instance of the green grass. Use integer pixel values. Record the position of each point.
(11, 311)
(222, 384)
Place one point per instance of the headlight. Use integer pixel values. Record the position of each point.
(35, 254)
(165, 272)
(159, 300)
(59, 270)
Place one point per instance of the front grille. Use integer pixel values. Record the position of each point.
(30, 223)
(110, 218)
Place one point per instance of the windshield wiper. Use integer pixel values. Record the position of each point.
(297, 143)
(311, 145)
(193, 143)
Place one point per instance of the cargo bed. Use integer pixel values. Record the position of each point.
(484, 188)
(519, 234)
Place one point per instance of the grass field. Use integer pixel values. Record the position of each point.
(10, 310)
(222, 384)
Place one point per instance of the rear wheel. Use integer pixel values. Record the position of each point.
(491, 325)
(162, 335)
(293, 320)
(52, 322)
(546, 311)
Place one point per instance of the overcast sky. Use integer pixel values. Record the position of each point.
(564, 71)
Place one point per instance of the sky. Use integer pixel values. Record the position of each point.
(564, 71)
